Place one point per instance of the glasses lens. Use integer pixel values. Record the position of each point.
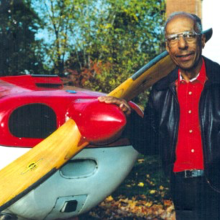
(189, 37)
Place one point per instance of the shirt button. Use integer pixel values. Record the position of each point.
(190, 93)
(192, 150)
(190, 131)
(189, 111)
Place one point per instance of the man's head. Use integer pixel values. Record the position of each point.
(184, 40)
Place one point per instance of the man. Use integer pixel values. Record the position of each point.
(182, 122)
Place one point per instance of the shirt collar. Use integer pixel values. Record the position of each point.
(191, 80)
(201, 76)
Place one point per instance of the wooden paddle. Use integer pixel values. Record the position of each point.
(31, 169)
(35, 166)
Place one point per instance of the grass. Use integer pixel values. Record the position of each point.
(146, 178)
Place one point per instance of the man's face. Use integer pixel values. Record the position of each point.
(185, 54)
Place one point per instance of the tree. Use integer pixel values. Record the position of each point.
(117, 39)
(19, 49)
(59, 19)
(101, 43)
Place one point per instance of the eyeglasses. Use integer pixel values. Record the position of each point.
(189, 36)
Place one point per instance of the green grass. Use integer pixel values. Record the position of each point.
(146, 178)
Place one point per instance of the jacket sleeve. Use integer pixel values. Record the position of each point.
(143, 132)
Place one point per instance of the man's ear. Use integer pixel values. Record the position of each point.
(203, 38)
(167, 47)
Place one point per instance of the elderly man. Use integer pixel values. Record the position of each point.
(182, 121)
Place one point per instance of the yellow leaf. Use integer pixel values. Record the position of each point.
(161, 188)
(148, 204)
(152, 191)
(109, 199)
(141, 184)
(108, 26)
(140, 160)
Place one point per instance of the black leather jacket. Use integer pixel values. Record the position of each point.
(157, 131)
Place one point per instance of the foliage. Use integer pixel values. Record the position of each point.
(137, 208)
(100, 43)
(19, 49)
(128, 38)
(143, 195)
(123, 37)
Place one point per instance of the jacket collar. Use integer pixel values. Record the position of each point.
(212, 72)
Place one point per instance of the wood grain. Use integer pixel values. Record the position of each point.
(33, 167)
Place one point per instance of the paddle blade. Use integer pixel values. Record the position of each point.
(35, 166)
(145, 77)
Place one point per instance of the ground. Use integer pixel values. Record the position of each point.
(143, 195)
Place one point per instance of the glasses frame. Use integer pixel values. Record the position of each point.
(176, 37)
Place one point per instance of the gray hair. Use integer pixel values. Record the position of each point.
(195, 18)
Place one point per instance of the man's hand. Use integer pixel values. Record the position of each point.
(123, 104)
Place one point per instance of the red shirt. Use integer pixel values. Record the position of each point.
(189, 150)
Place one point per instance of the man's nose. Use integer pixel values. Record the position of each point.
(182, 43)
